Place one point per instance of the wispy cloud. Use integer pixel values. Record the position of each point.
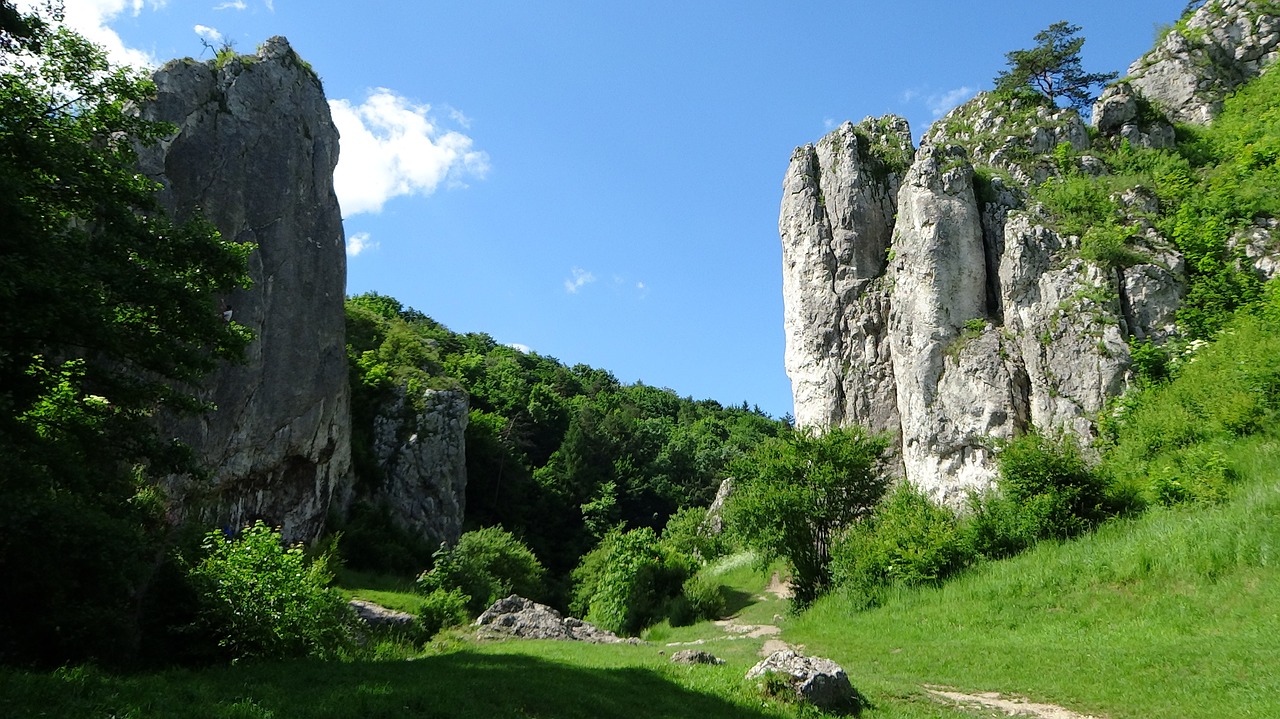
(359, 242)
(391, 147)
(939, 103)
(579, 278)
(208, 33)
(232, 5)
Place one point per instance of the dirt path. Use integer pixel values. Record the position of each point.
(1011, 706)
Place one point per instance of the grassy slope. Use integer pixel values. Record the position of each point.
(1175, 613)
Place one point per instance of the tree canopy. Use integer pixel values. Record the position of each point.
(108, 316)
(1052, 68)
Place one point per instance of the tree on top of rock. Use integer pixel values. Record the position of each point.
(1052, 68)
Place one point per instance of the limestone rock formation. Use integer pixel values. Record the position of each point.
(695, 656)
(1201, 59)
(376, 615)
(419, 445)
(518, 618)
(816, 680)
(836, 224)
(254, 152)
(983, 321)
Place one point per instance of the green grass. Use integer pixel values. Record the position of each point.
(390, 591)
(1174, 613)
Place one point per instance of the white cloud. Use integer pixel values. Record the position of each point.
(90, 18)
(209, 33)
(359, 242)
(271, 5)
(580, 277)
(941, 104)
(519, 347)
(392, 147)
(232, 5)
(829, 123)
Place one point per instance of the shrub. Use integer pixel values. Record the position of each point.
(796, 494)
(442, 609)
(687, 533)
(700, 598)
(908, 541)
(262, 599)
(637, 581)
(995, 528)
(1054, 489)
(486, 565)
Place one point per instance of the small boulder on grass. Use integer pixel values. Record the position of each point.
(818, 681)
(377, 615)
(695, 656)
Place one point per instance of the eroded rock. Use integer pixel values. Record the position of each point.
(518, 618)
(818, 681)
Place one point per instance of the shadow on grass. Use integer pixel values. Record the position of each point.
(735, 600)
(462, 684)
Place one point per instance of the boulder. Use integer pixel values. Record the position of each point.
(518, 618)
(818, 681)
(377, 615)
(695, 656)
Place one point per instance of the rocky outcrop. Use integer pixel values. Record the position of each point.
(376, 615)
(695, 656)
(818, 681)
(1206, 55)
(984, 321)
(836, 224)
(254, 152)
(518, 618)
(419, 445)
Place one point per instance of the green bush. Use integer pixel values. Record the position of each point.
(486, 565)
(908, 541)
(442, 609)
(1055, 491)
(636, 581)
(686, 532)
(700, 598)
(262, 599)
(995, 528)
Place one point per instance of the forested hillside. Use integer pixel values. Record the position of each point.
(557, 454)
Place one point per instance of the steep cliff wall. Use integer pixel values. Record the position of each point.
(255, 152)
(420, 449)
(984, 321)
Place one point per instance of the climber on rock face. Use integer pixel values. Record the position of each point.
(226, 312)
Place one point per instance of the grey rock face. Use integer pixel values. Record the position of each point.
(518, 618)
(255, 152)
(1223, 44)
(421, 453)
(836, 223)
(1261, 247)
(818, 681)
(1118, 114)
(376, 615)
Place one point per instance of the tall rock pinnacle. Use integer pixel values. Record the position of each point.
(254, 153)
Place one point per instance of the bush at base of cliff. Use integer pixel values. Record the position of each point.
(909, 541)
(261, 599)
(1055, 491)
(631, 580)
(486, 565)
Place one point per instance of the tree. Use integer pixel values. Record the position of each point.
(109, 313)
(1052, 68)
(798, 491)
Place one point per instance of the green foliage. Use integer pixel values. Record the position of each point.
(486, 565)
(700, 598)
(1052, 68)
(1165, 441)
(261, 599)
(442, 609)
(687, 532)
(634, 582)
(556, 454)
(110, 315)
(797, 492)
(1053, 488)
(908, 541)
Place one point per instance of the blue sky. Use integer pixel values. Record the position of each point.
(599, 181)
